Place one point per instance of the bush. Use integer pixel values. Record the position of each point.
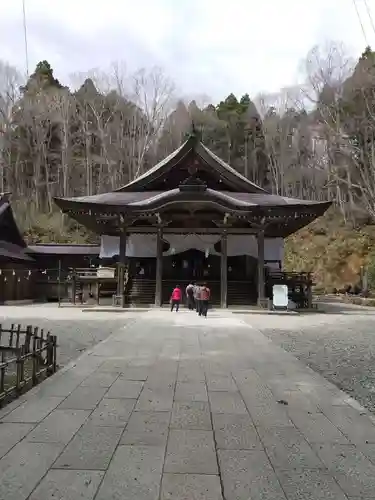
(371, 271)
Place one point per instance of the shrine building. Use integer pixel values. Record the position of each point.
(192, 217)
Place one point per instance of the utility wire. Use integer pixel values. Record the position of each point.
(360, 22)
(370, 15)
(25, 37)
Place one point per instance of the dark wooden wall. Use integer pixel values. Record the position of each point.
(16, 282)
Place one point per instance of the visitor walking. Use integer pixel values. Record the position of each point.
(176, 298)
(205, 294)
(197, 297)
(190, 296)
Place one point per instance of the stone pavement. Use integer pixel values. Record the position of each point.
(177, 407)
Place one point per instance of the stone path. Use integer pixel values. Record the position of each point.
(175, 407)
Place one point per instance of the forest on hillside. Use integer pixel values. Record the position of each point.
(314, 140)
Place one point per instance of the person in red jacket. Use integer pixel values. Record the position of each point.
(176, 298)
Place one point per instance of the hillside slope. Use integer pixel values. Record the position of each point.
(332, 250)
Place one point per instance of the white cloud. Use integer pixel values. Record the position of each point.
(207, 46)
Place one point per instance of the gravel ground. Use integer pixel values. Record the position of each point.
(340, 345)
(75, 330)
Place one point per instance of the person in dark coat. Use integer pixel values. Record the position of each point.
(205, 294)
(197, 297)
(190, 296)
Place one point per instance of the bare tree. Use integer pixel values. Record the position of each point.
(327, 65)
(153, 92)
(326, 70)
(10, 82)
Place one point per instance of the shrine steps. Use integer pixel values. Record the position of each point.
(241, 293)
(142, 292)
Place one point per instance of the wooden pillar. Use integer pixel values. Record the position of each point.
(224, 271)
(261, 283)
(121, 268)
(309, 292)
(159, 268)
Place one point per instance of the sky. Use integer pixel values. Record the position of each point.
(208, 47)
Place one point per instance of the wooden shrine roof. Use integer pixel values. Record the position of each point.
(155, 200)
(12, 244)
(193, 147)
(12, 252)
(63, 249)
(191, 186)
(8, 227)
(105, 214)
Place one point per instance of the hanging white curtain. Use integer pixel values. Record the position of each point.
(242, 244)
(137, 245)
(144, 245)
(181, 242)
(109, 246)
(273, 249)
(246, 244)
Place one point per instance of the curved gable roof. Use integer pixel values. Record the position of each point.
(152, 200)
(215, 163)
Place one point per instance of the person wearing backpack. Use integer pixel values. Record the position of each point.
(190, 296)
(197, 297)
(205, 294)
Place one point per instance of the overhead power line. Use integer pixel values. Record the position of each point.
(25, 37)
(370, 16)
(360, 22)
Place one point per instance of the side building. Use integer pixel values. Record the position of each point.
(32, 272)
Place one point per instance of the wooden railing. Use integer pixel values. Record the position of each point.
(299, 286)
(84, 283)
(27, 355)
(291, 276)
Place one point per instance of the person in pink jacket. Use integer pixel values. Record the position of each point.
(176, 298)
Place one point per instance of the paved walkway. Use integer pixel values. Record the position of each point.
(177, 407)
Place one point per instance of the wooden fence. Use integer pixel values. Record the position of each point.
(27, 356)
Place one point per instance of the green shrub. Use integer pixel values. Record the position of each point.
(371, 271)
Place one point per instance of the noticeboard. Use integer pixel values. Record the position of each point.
(280, 296)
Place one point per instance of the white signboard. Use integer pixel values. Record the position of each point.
(280, 295)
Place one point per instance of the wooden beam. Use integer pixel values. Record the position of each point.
(261, 280)
(191, 230)
(224, 271)
(256, 213)
(121, 267)
(159, 268)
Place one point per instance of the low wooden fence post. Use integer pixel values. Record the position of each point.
(33, 355)
(29, 334)
(20, 371)
(18, 333)
(54, 353)
(41, 341)
(2, 372)
(49, 353)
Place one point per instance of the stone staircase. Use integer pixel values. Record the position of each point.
(241, 293)
(141, 292)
